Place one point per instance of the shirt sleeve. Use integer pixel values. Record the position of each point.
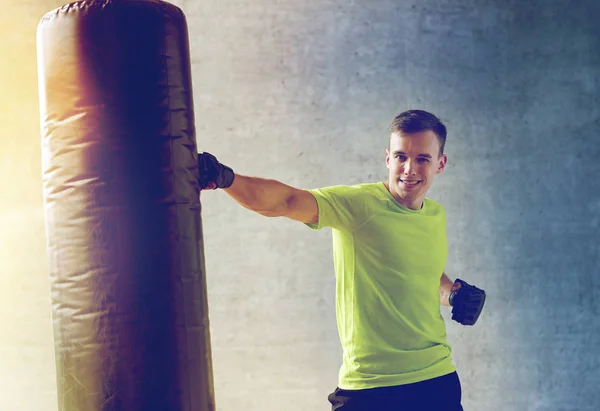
(340, 207)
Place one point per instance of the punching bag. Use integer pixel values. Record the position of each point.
(121, 198)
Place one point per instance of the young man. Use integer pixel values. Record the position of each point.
(390, 250)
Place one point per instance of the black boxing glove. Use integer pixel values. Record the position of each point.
(211, 171)
(467, 303)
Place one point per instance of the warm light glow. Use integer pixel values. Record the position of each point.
(27, 369)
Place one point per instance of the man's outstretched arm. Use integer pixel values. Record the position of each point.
(273, 198)
(267, 197)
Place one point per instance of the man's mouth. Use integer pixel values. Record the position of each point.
(410, 183)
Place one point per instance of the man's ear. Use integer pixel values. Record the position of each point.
(387, 157)
(442, 160)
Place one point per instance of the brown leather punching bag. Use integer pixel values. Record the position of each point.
(122, 207)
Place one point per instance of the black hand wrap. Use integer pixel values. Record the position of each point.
(211, 171)
(467, 303)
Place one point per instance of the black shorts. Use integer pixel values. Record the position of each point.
(441, 393)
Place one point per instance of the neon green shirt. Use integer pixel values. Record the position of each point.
(388, 260)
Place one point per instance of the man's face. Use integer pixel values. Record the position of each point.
(413, 161)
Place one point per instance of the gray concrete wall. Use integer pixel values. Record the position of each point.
(303, 92)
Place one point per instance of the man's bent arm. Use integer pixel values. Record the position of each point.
(445, 289)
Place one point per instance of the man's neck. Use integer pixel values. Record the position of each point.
(416, 205)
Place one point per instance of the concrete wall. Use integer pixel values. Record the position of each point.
(303, 92)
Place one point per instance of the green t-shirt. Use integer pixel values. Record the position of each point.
(388, 260)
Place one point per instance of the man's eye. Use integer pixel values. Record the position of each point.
(401, 158)
(424, 160)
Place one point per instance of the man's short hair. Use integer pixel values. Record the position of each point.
(414, 121)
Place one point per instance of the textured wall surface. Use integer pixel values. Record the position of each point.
(303, 92)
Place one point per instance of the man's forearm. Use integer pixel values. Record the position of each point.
(445, 289)
(264, 196)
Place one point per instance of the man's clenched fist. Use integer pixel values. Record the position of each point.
(467, 302)
(213, 174)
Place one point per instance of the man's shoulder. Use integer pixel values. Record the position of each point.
(345, 207)
(354, 190)
(433, 203)
(434, 207)
(361, 198)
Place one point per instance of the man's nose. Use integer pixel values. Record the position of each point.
(409, 167)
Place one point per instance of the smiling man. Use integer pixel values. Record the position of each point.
(415, 156)
(390, 251)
